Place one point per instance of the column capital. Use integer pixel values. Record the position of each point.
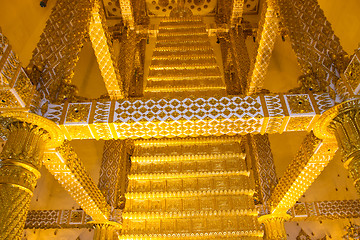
(324, 127)
(343, 123)
(274, 225)
(51, 133)
(105, 230)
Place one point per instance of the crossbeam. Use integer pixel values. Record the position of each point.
(319, 210)
(69, 171)
(213, 116)
(265, 41)
(313, 156)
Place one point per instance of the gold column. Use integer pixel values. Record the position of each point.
(274, 226)
(346, 126)
(106, 230)
(20, 162)
(343, 123)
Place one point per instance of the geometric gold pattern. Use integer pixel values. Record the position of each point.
(311, 159)
(180, 117)
(265, 41)
(67, 168)
(16, 89)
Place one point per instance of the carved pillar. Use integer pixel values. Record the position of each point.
(259, 150)
(20, 162)
(346, 127)
(113, 182)
(274, 226)
(343, 123)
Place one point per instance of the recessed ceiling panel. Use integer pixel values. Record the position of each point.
(163, 8)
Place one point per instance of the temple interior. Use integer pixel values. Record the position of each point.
(195, 119)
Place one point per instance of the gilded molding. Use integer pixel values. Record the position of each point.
(55, 135)
(335, 209)
(307, 211)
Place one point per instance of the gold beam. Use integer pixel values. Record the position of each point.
(214, 116)
(103, 49)
(259, 152)
(265, 41)
(69, 171)
(311, 159)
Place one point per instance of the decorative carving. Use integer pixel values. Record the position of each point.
(311, 159)
(352, 232)
(180, 117)
(236, 62)
(102, 45)
(57, 52)
(346, 125)
(45, 219)
(21, 159)
(106, 230)
(114, 172)
(342, 122)
(352, 74)
(316, 50)
(299, 104)
(68, 169)
(16, 89)
(262, 160)
(274, 226)
(265, 41)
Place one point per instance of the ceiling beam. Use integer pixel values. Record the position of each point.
(64, 164)
(313, 156)
(265, 40)
(214, 116)
(102, 45)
